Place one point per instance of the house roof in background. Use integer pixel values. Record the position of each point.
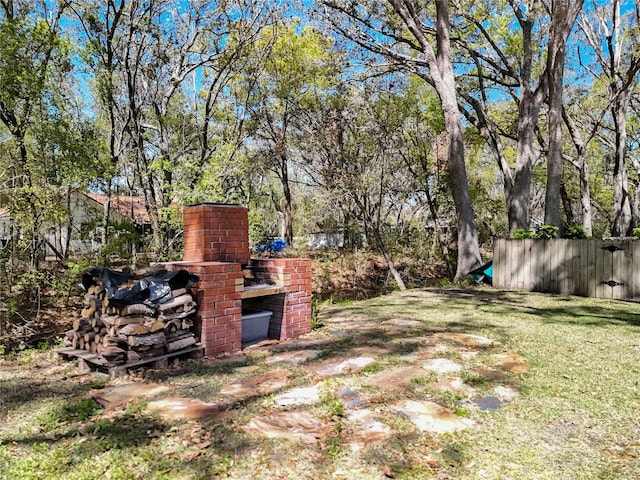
(125, 205)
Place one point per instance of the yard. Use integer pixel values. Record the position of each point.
(430, 383)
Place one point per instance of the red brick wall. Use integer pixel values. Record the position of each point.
(219, 315)
(216, 233)
(291, 310)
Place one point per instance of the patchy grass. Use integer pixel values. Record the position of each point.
(577, 416)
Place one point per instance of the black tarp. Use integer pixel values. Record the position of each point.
(152, 290)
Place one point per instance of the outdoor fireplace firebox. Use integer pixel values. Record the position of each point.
(216, 249)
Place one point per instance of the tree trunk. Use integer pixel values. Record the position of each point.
(287, 207)
(518, 197)
(622, 215)
(555, 71)
(468, 244)
(581, 165)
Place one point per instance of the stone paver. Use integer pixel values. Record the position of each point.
(507, 393)
(490, 374)
(188, 409)
(299, 396)
(441, 365)
(431, 417)
(487, 403)
(466, 339)
(350, 399)
(367, 428)
(119, 395)
(511, 362)
(453, 385)
(395, 379)
(340, 366)
(289, 425)
(257, 385)
(294, 357)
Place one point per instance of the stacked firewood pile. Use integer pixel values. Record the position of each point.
(126, 320)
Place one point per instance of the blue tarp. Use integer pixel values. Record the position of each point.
(484, 274)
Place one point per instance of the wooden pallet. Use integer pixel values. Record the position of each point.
(90, 362)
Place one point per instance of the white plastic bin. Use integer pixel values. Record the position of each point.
(255, 325)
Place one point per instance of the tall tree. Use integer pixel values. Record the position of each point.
(507, 44)
(34, 65)
(563, 16)
(417, 38)
(615, 42)
(295, 72)
(162, 67)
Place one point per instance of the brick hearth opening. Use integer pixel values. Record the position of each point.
(216, 248)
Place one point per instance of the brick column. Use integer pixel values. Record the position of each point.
(292, 309)
(216, 232)
(219, 316)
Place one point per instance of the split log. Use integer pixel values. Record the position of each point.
(122, 321)
(137, 355)
(180, 344)
(113, 354)
(114, 341)
(148, 339)
(137, 309)
(133, 329)
(178, 292)
(170, 315)
(155, 325)
(176, 302)
(109, 320)
(96, 322)
(178, 334)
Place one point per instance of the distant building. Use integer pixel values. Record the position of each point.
(83, 233)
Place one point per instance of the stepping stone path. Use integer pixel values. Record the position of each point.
(368, 416)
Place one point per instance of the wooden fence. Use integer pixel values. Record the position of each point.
(589, 268)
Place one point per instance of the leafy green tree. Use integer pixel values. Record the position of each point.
(613, 38)
(417, 38)
(295, 68)
(47, 150)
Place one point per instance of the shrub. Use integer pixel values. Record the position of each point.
(521, 233)
(574, 231)
(547, 231)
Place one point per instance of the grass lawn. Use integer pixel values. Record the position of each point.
(577, 415)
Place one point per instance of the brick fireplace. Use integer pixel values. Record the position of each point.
(216, 248)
